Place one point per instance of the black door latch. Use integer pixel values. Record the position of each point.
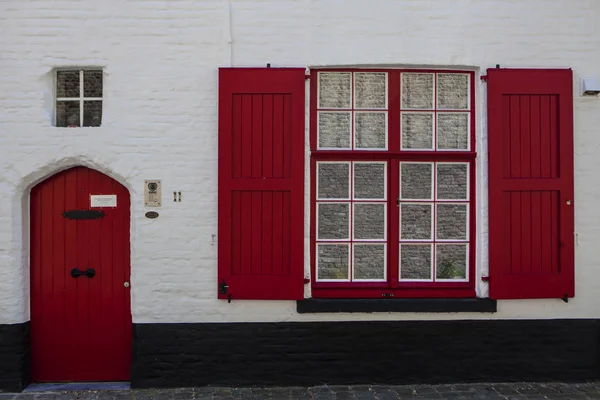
(224, 289)
(76, 272)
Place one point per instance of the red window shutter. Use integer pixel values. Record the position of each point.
(531, 232)
(261, 183)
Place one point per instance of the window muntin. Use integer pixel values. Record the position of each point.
(429, 166)
(79, 98)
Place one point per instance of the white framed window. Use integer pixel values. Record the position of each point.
(78, 97)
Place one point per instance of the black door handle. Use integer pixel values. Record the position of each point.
(76, 272)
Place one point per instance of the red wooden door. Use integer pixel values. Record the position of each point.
(531, 183)
(80, 326)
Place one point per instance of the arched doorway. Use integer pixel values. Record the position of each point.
(80, 270)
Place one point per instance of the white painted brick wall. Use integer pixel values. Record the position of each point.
(160, 119)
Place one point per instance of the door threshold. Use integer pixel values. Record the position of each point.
(72, 386)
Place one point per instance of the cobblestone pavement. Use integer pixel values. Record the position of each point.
(521, 391)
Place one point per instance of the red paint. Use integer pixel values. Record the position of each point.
(393, 155)
(530, 181)
(80, 327)
(261, 182)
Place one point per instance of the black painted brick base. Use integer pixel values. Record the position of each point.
(14, 357)
(399, 352)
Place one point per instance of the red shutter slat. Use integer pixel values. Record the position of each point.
(531, 204)
(261, 183)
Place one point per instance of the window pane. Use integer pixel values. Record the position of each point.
(369, 221)
(417, 91)
(67, 113)
(370, 130)
(92, 113)
(369, 261)
(67, 84)
(335, 89)
(416, 181)
(417, 131)
(334, 130)
(334, 181)
(453, 131)
(333, 221)
(453, 91)
(451, 222)
(369, 181)
(370, 90)
(452, 181)
(451, 261)
(332, 261)
(415, 221)
(92, 83)
(415, 261)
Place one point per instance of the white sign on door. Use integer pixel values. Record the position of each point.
(103, 200)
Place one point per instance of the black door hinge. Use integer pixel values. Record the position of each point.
(224, 289)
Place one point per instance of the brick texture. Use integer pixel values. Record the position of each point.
(170, 355)
(159, 120)
(14, 357)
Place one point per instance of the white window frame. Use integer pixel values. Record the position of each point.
(81, 97)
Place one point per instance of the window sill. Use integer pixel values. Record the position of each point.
(395, 305)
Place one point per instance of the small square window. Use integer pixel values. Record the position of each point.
(79, 98)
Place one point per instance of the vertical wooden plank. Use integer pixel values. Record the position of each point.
(546, 239)
(50, 308)
(286, 217)
(526, 232)
(545, 137)
(393, 218)
(555, 235)
(277, 233)
(287, 140)
(525, 135)
(505, 138)
(83, 263)
(256, 234)
(236, 136)
(536, 159)
(246, 133)
(236, 237)
(267, 232)
(515, 232)
(505, 261)
(246, 232)
(278, 132)
(554, 140)
(536, 231)
(515, 137)
(267, 118)
(60, 270)
(71, 258)
(257, 136)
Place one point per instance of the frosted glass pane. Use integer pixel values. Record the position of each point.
(334, 130)
(452, 181)
(369, 181)
(451, 221)
(369, 221)
(451, 261)
(335, 89)
(334, 181)
(333, 221)
(370, 90)
(332, 261)
(453, 131)
(369, 261)
(415, 221)
(417, 91)
(415, 261)
(417, 131)
(370, 130)
(453, 91)
(416, 181)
